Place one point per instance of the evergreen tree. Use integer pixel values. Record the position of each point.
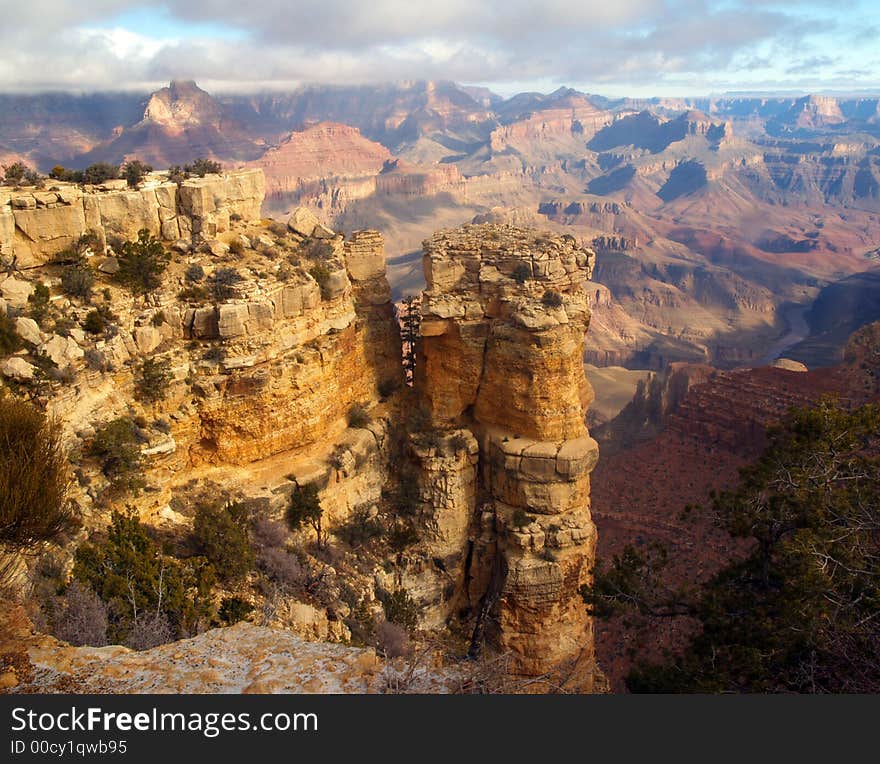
(801, 611)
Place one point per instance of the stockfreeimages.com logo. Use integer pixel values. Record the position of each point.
(208, 724)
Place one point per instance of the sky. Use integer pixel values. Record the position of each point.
(632, 48)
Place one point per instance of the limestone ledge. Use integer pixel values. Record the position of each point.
(37, 224)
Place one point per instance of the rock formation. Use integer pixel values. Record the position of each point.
(37, 224)
(241, 659)
(502, 338)
(263, 376)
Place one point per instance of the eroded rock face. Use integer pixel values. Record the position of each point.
(501, 348)
(35, 225)
(296, 356)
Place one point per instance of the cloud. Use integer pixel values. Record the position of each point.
(812, 64)
(604, 44)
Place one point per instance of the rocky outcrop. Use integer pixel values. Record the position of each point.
(241, 659)
(502, 338)
(296, 355)
(38, 224)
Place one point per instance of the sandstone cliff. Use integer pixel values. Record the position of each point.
(37, 224)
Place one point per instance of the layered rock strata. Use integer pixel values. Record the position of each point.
(502, 338)
(36, 224)
(296, 355)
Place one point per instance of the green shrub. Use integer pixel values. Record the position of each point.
(222, 283)
(63, 325)
(358, 416)
(234, 609)
(141, 264)
(193, 293)
(321, 274)
(19, 174)
(135, 171)
(360, 528)
(220, 533)
(35, 504)
(98, 173)
(176, 174)
(195, 273)
(78, 281)
(151, 382)
(88, 241)
(39, 302)
(117, 448)
(552, 299)
(401, 609)
(98, 319)
(10, 341)
(126, 568)
(14, 174)
(522, 273)
(277, 228)
(236, 247)
(203, 167)
(305, 507)
(402, 535)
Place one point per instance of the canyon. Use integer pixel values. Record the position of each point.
(681, 243)
(713, 215)
(262, 379)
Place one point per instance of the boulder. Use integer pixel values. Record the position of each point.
(242, 241)
(18, 369)
(28, 330)
(303, 222)
(47, 231)
(218, 248)
(15, 291)
(62, 350)
(26, 202)
(147, 338)
(256, 242)
(322, 232)
(129, 212)
(108, 265)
